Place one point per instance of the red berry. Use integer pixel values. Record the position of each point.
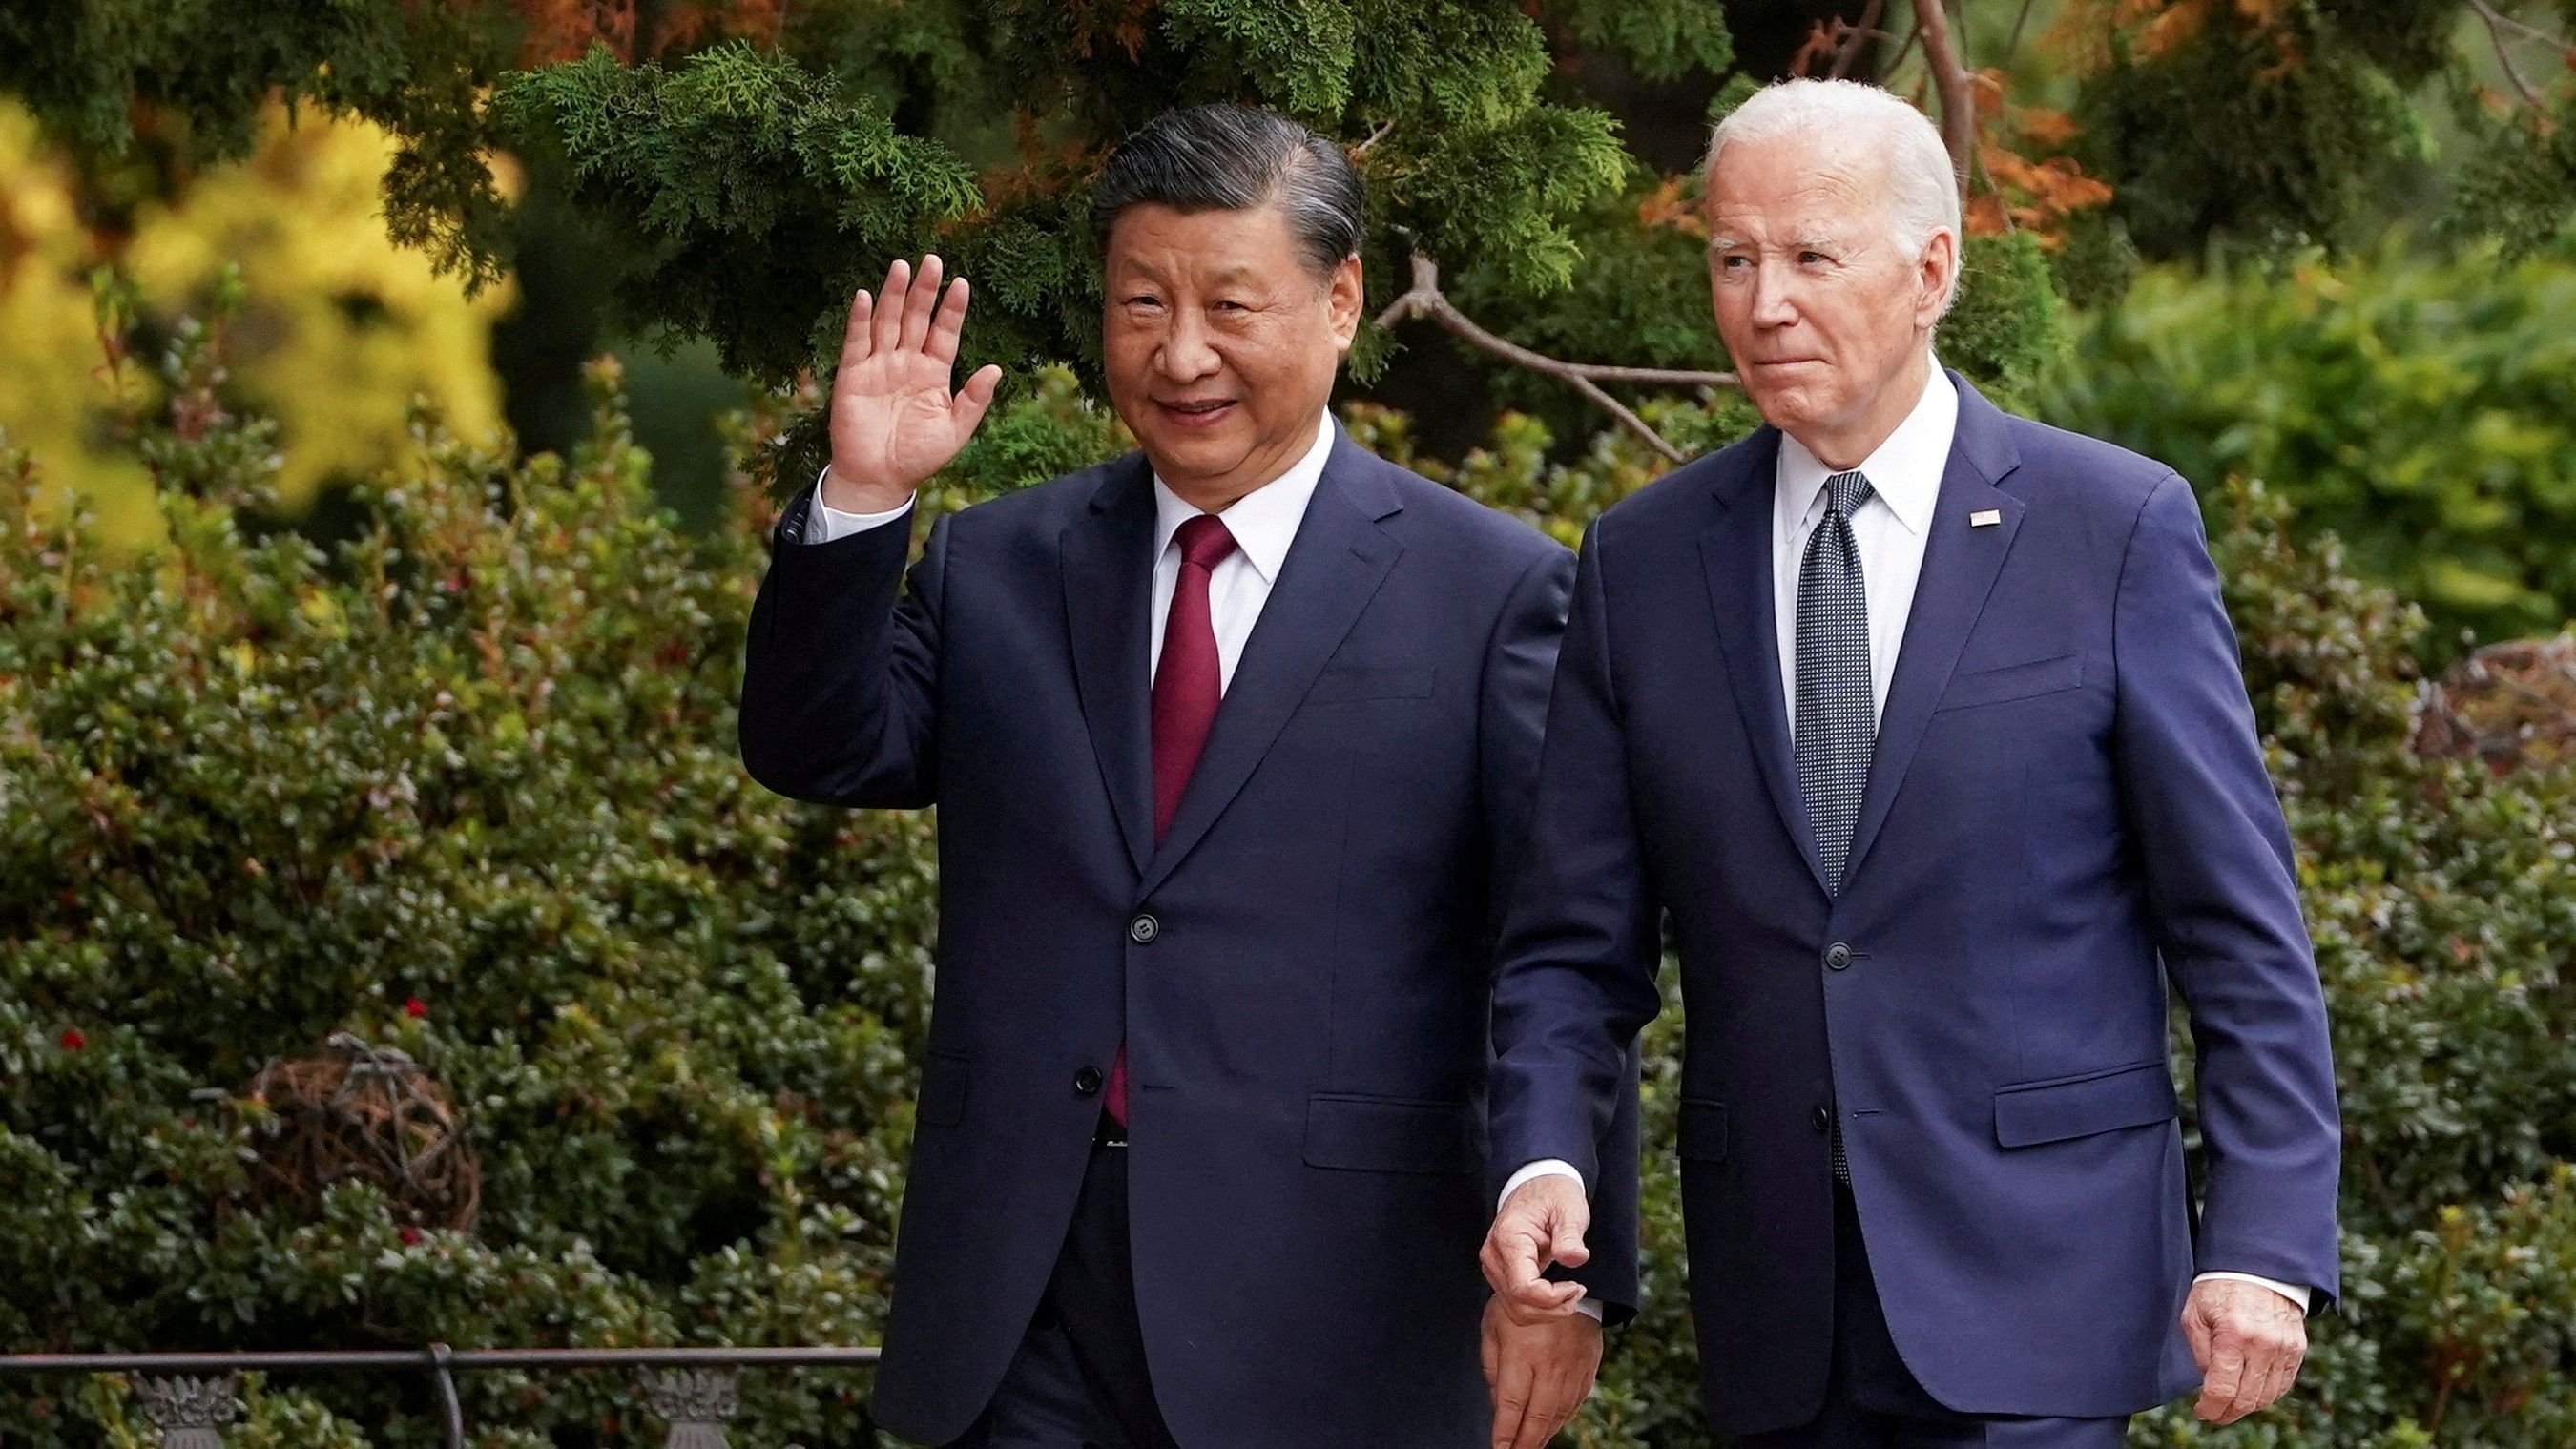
(73, 1040)
(414, 1006)
(410, 1236)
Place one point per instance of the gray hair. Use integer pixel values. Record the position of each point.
(1922, 190)
(1233, 158)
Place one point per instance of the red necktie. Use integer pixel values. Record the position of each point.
(1188, 683)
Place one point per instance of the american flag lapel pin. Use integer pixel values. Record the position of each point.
(1985, 518)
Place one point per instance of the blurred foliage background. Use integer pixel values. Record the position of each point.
(368, 645)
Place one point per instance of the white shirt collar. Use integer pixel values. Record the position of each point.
(1904, 472)
(1263, 521)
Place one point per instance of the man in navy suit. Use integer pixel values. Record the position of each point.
(1923, 726)
(1233, 744)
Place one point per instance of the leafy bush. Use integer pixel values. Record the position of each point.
(2423, 410)
(466, 787)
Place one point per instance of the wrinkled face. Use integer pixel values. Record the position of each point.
(1823, 313)
(1221, 343)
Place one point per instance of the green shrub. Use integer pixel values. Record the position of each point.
(481, 758)
(2423, 410)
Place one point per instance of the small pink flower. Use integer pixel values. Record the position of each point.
(414, 1007)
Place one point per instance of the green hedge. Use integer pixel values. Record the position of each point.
(2423, 409)
(481, 758)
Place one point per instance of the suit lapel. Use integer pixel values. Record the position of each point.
(1108, 591)
(1736, 553)
(1333, 569)
(1960, 564)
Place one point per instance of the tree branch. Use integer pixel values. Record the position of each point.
(1855, 36)
(1425, 299)
(2496, 22)
(1950, 81)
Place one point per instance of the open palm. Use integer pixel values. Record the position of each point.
(894, 421)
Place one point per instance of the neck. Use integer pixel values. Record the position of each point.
(1847, 445)
(1215, 493)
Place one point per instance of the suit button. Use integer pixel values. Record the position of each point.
(1144, 929)
(1838, 957)
(1822, 1117)
(1086, 1080)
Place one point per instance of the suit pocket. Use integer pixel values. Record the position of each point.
(2062, 1108)
(1336, 686)
(1392, 1134)
(2013, 681)
(942, 1102)
(1702, 1136)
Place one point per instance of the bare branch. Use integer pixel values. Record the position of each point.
(1374, 137)
(2523, 28)
(1425, 299)
(1950, 81)
(2012, 47)
(2496, 22)
(1854, 36)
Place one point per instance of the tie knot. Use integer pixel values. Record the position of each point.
(1846, 492)
(1204, 541)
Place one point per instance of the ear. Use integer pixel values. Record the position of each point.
(1936, 278)
(1346, 293)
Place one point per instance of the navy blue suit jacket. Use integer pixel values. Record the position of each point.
(1301, 969)
(2066, 812)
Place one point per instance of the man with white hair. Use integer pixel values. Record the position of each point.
(1922, 724)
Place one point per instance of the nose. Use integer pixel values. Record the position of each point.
(1773, 305)
(1184, 354)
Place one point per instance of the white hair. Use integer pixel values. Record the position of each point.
(1921, 194)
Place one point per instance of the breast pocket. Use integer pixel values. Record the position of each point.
(2028, 680)
(1349, 684)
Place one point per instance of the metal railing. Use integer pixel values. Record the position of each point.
(190, 1397)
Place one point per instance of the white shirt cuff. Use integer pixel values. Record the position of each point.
(1544, 1167)
(2298, 1293)
(829, 523)
(1549, 1167)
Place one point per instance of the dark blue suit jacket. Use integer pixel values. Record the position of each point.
(2067, 811)
(1301, 970)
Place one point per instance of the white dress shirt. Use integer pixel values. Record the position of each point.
(1263, 522)
(1889, 530)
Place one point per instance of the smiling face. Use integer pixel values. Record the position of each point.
(1221, 344)
(1828, 320)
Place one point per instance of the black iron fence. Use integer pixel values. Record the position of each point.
(190, 1397)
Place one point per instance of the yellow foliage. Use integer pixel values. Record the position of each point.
(342, 329)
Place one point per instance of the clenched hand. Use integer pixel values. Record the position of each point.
(2248, 1341)
(1542, 1223)
(1540, 1373)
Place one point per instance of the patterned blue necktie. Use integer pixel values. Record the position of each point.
(1837, 721)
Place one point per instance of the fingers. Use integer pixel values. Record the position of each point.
(2225, 1381)
(923, 300)
(946, 322)
(1514, 1379)
(2195, 1330)
(856, 344)
(1567, 1247)
(885, 330)
(977, 395)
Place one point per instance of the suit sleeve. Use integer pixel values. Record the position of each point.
(1575, 979)
(840, 676)
(1520, 671)
(2224, 898)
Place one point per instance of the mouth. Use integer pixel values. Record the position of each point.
(1778, 362)
(1197, 413)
